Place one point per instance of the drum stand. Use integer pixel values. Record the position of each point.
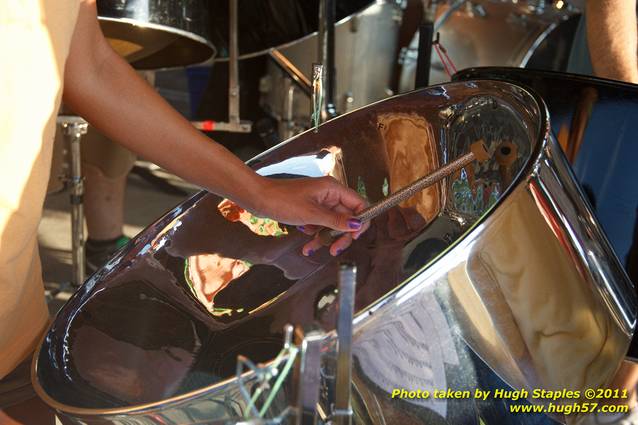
(426, 33)
(74, 128)
(234, 124)
(322, 396)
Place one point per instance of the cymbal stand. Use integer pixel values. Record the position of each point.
(74, 128)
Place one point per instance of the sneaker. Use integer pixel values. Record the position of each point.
(99, 252)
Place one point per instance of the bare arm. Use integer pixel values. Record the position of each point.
(612, 37)
(105, 90)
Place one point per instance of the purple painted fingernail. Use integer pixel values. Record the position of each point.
(301, 228)
(354, 223)
(310, 252)
(339, 251)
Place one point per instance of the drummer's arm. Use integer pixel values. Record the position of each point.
(104, 89)
(613, 38)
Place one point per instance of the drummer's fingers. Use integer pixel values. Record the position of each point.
(336, 194)
(359, 232)
(308, 229)
(328, 217)
(311, 247)
(341, 244)
(351, 199)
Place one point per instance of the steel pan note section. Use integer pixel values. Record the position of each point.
(485, 280)
(157, 34)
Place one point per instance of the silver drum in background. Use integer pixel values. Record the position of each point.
(497, 277)
(157, 34)
(365, 48)
(525, 33)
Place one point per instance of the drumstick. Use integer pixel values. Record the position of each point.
(478, 152)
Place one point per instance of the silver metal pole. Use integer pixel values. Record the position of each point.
(310, 342)
(74, 129)
(342, 413)
(316, 116)
(233, 66)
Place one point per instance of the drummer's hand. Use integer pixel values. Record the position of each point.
(313, 203)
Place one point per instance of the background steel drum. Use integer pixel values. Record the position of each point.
(154, 34)
(524, 33)
(495, 278)
(365, 40)
(264, 24)
(596, 121)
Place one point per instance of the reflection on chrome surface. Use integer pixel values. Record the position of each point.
(491, 278)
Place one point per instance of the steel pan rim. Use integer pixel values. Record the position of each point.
(542, 135)
(292, 43)
(165, 28)
(468, 74)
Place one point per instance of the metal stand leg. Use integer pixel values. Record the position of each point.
(74, 129)
(342, 413)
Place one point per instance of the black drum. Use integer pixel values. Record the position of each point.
(154, 34)
(270, 23)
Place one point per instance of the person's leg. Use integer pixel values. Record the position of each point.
(105, 166)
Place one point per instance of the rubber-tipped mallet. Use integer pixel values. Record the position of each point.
(478, 152)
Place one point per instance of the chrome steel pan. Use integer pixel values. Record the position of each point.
(492, 279)
(497, 33)
(154, 34)
(595, 121)
(365, 48)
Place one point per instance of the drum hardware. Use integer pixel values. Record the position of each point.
(372, 32)
(306, 353)
(424, 53)
(288, 128)
(342, 411)
(326, 49)
(317, 115)
(278, 370)
(291, 70)
(478, 152)
(311, 342)
(74, 128)
(297, 80)
(235, 124)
